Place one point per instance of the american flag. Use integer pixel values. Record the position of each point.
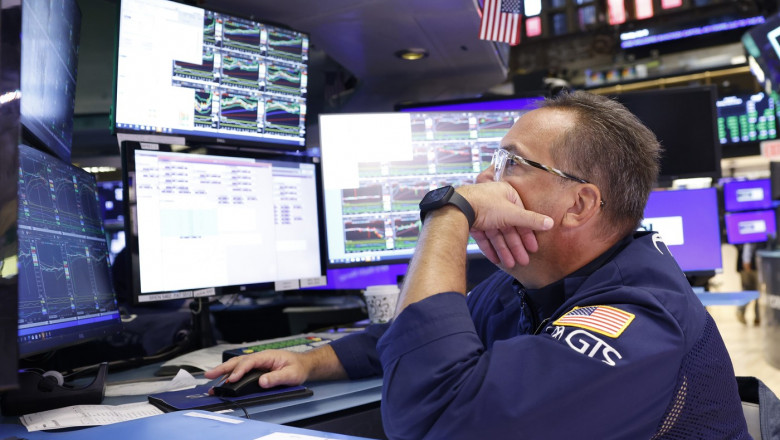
(501, 21)
(606, 320)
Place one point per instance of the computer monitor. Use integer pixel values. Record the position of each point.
(762, 43)
(50, 45)
(746, 195)
(750, 226)
(110, 196)
(10, 128)
(689, 224)
(206, 75)
(378, 166)
(65, 291)
(509, 103)
(746, 120)
(684, 120)
(210, 221)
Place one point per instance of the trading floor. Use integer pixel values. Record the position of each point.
(745, 343)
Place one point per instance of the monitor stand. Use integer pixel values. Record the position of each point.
(203, 337)
(42, 391)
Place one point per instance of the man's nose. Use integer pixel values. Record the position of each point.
(486, 175)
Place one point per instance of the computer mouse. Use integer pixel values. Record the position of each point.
(248, 384)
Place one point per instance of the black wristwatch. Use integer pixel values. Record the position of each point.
(446, 195)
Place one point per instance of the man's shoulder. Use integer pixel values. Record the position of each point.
(645, 263)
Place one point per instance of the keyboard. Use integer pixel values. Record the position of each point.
(298, 343)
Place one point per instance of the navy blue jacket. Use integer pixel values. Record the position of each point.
(622, 348)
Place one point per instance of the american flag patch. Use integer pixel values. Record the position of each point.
(606, 320)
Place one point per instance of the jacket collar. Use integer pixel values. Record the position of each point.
(544, 301)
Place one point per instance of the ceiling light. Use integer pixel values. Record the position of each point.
(412, 54)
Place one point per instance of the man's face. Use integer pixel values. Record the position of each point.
(531, 137)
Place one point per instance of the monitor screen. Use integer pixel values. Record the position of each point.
(684, 120)
(378, 166)
(209, 75)
(689, 225)
(747, 118)
(214, 221)
(745, 195)
(110, 196)
(66, 294)
(50, 46)
(750, 226)
(10, 127)
(762, 43)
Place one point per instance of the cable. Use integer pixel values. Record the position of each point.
(126, 363)
(232, 403)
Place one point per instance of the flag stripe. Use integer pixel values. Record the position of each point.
(606, 320)
(500, 21)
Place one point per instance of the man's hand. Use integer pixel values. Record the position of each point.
(287, 368)
(504, 228)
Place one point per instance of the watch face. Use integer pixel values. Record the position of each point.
(438, 193)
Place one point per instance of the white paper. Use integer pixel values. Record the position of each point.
(214, 417)
(87, 415)
(182, 381)
(205, 358)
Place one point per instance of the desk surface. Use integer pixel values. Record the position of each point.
(727, 298)
(181, 425)
(329, 398)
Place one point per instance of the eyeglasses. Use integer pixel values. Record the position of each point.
(502, 156)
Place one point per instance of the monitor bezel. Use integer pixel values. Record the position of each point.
(733, 185)
(465, 105)
(473, 253)
(665, 177)
(34, 130)
(774, 213)
(749, 147)
(79, 333)
(127, 153)
(714, 193)
(755, 41)
(260, 143)
(10, 128)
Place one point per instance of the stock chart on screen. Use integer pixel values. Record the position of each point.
(378, 166)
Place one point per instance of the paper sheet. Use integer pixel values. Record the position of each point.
(87, 415)
(205, 358)
(182, 381)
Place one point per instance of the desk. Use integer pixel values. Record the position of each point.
(335, 406)
(329, 397)
(181, 425)
(727, 298)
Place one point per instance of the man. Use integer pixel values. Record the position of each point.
(746, 263)
(590, 330)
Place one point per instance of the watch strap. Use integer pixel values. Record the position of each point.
(458, 201)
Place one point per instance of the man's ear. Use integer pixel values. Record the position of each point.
(586, 203)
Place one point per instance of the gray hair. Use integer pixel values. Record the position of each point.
(611, 148)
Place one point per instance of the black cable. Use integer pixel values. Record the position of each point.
(237, 405)
(126, 363)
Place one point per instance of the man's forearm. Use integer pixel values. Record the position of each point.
(439, 262)
(322, 363)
